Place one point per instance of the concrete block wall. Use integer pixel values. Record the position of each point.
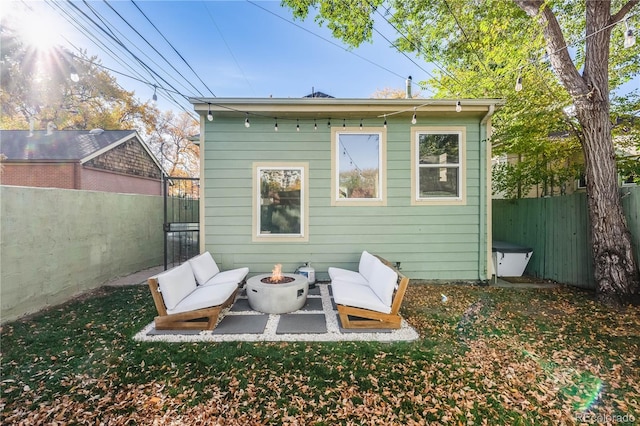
(58, 243)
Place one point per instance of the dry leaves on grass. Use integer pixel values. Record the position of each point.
(487, 356)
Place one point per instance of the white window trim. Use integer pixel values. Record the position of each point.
(304, 203)
(382, 167)
(461, 199)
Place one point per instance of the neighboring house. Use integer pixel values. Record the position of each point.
(97, 160)
(321, 179)
(555, 184)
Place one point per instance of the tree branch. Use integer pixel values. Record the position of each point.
(623, 11)
(556, 46)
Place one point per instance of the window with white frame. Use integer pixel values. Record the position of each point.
(438, 163)
(358, 167)
(280, 206)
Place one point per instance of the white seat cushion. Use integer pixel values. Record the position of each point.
(176, 284)
(366, 265)
(205, 297)
(347, 275)
(231, 276)
(358, 296)
(383, 282)
(204, 267)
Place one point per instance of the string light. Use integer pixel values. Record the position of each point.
(414, 119)
(385, 121)
(360, 124)
(275, 128)
(73, 74)
(518, 83)
(458, 106)
(629, 38)
(297, 125)
(246, 121)
(209, 114)
(315, 125)
(344, 124)
(329, 123)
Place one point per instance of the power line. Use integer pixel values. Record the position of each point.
(76, 21)
(132, 54)
(228, 48)
(150, 45)
(174, 49)
(327, 40)
(419, 50)
(475, 51)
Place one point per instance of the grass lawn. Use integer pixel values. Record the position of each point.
(486, 356)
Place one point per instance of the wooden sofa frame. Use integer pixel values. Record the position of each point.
(373, 319)
(200, 319)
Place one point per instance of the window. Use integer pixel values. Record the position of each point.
(280, 203)
(438, 165)
(358, 167)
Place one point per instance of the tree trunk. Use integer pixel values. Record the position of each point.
(615, 269)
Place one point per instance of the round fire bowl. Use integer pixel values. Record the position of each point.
(277, 298)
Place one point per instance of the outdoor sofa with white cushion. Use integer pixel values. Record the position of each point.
(192, 295)
(373, 294)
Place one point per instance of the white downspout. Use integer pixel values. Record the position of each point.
(485, 208)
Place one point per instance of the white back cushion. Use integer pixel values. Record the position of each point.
(367, 262)
(382, 282)
(204, 267)
(176, 284)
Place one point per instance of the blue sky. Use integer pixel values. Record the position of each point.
(237, 49)
(224, 48)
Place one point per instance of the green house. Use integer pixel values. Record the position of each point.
(320, 180)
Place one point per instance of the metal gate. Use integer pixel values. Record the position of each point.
(181, 219)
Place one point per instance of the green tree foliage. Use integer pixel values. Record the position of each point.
(36, 87)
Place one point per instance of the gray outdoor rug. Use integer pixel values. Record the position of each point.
(317, 321)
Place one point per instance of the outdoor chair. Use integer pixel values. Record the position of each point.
(192, 295)
(372, 295)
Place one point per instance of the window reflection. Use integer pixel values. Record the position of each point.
(358, 165)
(439, 165)
(280, 201)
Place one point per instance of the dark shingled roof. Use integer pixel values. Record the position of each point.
(60, 145)
(318, 95)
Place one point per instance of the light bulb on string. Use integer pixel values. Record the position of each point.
(344, 124)
(385, 121)
(275, 128)
(360, 124)
(458, 106)
(315, 125)
(414, 119)
(329, 123)
(246, 121)
(73, 74)
(518, 84)
(209, 114)
(297, 125)
(155, 95)
(629, 38)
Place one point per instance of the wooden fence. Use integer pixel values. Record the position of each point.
(557, 228)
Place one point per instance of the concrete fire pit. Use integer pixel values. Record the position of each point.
(278, 298)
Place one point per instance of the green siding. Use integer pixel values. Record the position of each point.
(432, 242)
